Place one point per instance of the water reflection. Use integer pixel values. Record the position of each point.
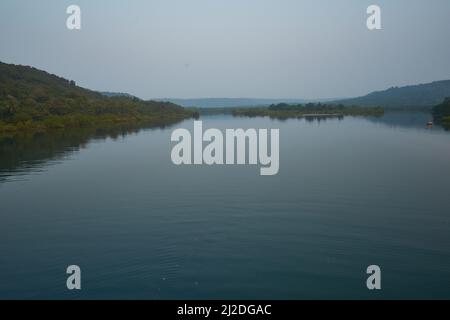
(349, 194)
(418, 120)
(22, 154)
(25, 153)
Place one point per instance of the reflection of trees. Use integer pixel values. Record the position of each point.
(308, 118)
(23, 153)
(321, 118)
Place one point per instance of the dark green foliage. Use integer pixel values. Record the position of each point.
(36, 100)
(284, 110)
(441, 113)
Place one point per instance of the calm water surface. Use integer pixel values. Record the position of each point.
(350, 193)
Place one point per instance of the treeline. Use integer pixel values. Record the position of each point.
(31, 99)
(284, 110)
(441, 113)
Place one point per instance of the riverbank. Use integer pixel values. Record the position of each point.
(87, 121)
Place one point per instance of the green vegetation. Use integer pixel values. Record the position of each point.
(446, 122)
(441, 113)
(33, 100)
(284, 111)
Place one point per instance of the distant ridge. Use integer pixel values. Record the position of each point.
(421, 95)
(413, 96)
(228, 102)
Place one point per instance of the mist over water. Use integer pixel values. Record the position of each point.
(350, 193)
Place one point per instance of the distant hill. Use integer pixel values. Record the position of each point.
(32, 98)
(421, 95)
(414, 96)
(229, 102)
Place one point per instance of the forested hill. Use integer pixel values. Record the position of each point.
(22, 82)
(422, 95)
(30, 97)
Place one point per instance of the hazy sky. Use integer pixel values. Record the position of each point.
(231, 48)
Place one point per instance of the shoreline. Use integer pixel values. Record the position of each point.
(82, 121)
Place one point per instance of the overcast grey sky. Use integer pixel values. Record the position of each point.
(231, 48)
